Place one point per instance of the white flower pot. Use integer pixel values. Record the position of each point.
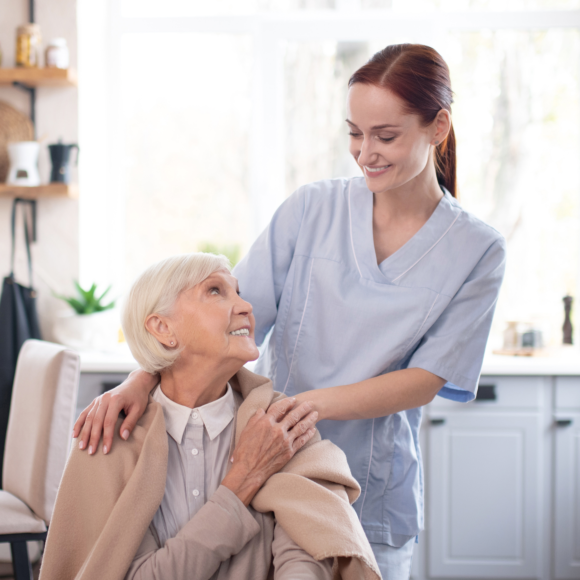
(99, 331)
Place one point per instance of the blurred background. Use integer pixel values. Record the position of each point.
(198, 118)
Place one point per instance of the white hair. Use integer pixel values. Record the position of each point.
(155, 292)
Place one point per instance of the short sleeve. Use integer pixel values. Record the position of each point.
(454, 347)
(262, 273)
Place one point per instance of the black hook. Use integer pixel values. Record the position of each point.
(32, 94)
(32, 204)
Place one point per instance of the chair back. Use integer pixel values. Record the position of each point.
(40, 424)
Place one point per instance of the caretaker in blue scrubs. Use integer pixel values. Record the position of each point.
(338, 307)
(372, 295)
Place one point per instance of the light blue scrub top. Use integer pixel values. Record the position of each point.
(339, 318)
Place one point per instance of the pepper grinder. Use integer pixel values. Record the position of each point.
(567, 328)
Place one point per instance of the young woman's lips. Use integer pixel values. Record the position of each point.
(376, 171)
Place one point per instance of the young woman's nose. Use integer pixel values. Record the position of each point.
(367, 153)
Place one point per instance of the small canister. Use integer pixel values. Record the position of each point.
(57, 55)
(28, 40)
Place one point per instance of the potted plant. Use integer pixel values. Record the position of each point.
(230, 251)
(91, 324)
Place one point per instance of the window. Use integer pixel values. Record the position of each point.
(200, 118)
(185, 156)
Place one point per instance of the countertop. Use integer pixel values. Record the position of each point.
(562, 361)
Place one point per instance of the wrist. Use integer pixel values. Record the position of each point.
(318, 400)
(144, 380)
(245, 485)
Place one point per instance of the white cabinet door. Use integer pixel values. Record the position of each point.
(566, 522)
(567, 497)
(484, 495)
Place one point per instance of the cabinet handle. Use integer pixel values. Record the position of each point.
(563, 422)
(486, 393)
(437, 421)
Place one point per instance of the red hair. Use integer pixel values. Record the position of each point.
(420, 77)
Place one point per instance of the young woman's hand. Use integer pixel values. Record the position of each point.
(100, 417)
(267, 443)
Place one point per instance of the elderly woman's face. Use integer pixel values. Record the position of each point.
(211, 320)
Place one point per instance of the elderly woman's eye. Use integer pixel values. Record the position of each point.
(214, 290)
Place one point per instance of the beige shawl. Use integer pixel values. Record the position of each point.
(105, 503)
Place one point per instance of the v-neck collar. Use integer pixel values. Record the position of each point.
(392, 269)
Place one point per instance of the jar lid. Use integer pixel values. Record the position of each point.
(30, 28)
(57, 42)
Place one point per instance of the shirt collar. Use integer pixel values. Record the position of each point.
(216, 416)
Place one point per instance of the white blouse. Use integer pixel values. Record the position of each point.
(199, 444)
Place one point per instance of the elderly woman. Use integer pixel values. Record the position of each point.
(212, 485)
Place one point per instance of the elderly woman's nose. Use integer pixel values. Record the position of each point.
(243, 307)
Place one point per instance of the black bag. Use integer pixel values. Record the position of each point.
(18, 323)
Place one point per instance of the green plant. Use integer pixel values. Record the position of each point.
(86, 302)
(230, 251)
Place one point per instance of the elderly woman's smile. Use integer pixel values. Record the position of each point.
(208, 324)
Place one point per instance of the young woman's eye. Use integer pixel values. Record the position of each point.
(352, 134)
(386, 139)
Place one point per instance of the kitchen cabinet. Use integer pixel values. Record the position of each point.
(484, 483)
(502, 480)
(567, 478)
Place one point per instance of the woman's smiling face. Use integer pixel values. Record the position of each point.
(390, 145)
(211, 321)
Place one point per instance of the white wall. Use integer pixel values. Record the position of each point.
(55, 255)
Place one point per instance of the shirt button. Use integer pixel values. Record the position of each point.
(194, 415)
(195, 493)
(194, 451)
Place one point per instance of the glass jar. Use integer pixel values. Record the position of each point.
(28, 42)
(56, 55)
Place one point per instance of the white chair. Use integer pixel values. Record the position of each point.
(37, 444)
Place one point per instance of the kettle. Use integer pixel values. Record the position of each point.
(60, 155)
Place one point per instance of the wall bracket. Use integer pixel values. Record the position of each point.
(32, 94)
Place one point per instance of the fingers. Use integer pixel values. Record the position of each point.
(295, 415)
(279, 409)
(81, 421)
(110, 405)
(97, 424)
(86, 428)
(110, 417)
(127, 426)
(303, 439)
(304, 426)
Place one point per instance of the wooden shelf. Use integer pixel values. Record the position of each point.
(39, 77)
(41, 191)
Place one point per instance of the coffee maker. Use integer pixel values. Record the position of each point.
(60, 156)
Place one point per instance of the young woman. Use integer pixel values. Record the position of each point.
(379, 293)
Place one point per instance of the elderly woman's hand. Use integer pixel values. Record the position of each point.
(267, 443)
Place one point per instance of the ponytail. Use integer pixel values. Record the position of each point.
(446, 163)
